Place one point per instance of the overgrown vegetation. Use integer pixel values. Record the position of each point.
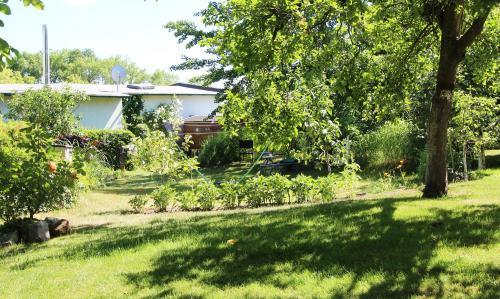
(34, 178)
(113, 146)
(218, 150)
(50, 109)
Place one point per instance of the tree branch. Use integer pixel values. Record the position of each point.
(474, 30)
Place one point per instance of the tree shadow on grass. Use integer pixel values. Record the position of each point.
(329, 240)
(380, 243)
(358, 237)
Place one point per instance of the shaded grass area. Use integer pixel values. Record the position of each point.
(398, 246)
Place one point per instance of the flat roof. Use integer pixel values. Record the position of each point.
(108, 90)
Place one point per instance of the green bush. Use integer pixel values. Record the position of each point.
(132, 109)
(97, 171)
(386, 146)
(164, 197)
(188, 200)
(304, 188)
(231, 194)
(164, 113)
(52, 110)
(422, 165)
(218, 150)
(33, 177)
(160, 154)
(327, 187)
(138, 203)
(207, 195)
(279, 187)
(112, 144)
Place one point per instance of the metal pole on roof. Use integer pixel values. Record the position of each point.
(46, 60)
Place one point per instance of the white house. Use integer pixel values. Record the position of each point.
(104, 110)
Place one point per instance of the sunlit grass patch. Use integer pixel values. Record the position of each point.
(392, 244)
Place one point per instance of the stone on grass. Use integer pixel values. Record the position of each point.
(58, 227)
(9, 238)
(35, 231)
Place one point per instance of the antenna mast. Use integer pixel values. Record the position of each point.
(46, 61)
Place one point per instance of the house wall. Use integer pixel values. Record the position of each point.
(191, 104)
(101, 113)
(98, 113)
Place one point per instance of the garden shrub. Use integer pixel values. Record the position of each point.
(327, 187)
(218, 150)
(142, 130)
(188, 200)
(279, 187)
(422, 165)
(52, 110)
(132, 109)
(231, 194)
(97, 171)
(138, 203)
(255, 191)
(350, 177)
(160, 154)
(112, 143)
(164, 113)
(303, 188)
(387, 145)
(207, 195)
(33, 177)
(164, 197)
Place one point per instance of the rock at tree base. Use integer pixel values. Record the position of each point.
(58, 227)
(34, 231)
(9, 238)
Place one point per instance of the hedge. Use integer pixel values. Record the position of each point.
(111, 143)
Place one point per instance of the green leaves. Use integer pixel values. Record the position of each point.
(50, 109)
(6, 51)
(36, 3)
(34, 178)
(5, 9)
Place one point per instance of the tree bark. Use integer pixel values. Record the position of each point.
(436, 177)
(481, 162)
(452, 53)
(464, 161)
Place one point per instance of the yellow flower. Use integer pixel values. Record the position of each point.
(399, 166)
(232, 241)
(402, 162)
(386, 174)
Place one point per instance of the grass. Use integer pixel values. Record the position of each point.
(388, 245)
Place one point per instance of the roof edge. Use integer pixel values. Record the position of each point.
(194, 86)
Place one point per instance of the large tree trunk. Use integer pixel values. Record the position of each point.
(451, 54)
(436, 177)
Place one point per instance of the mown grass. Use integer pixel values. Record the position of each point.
(389, 245)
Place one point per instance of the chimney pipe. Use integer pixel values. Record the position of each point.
(46, 61)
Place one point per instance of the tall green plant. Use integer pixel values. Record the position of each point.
(133, 107)
(218, 150)
(387, 145)
(50, 109)
(159, 153)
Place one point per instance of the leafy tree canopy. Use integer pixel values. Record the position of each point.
(83, 66)
(363, 62)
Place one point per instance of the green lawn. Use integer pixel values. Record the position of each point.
(388, 245)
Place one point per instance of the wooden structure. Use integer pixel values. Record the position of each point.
(200, 128)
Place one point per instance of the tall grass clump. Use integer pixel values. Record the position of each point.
(392, 142)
